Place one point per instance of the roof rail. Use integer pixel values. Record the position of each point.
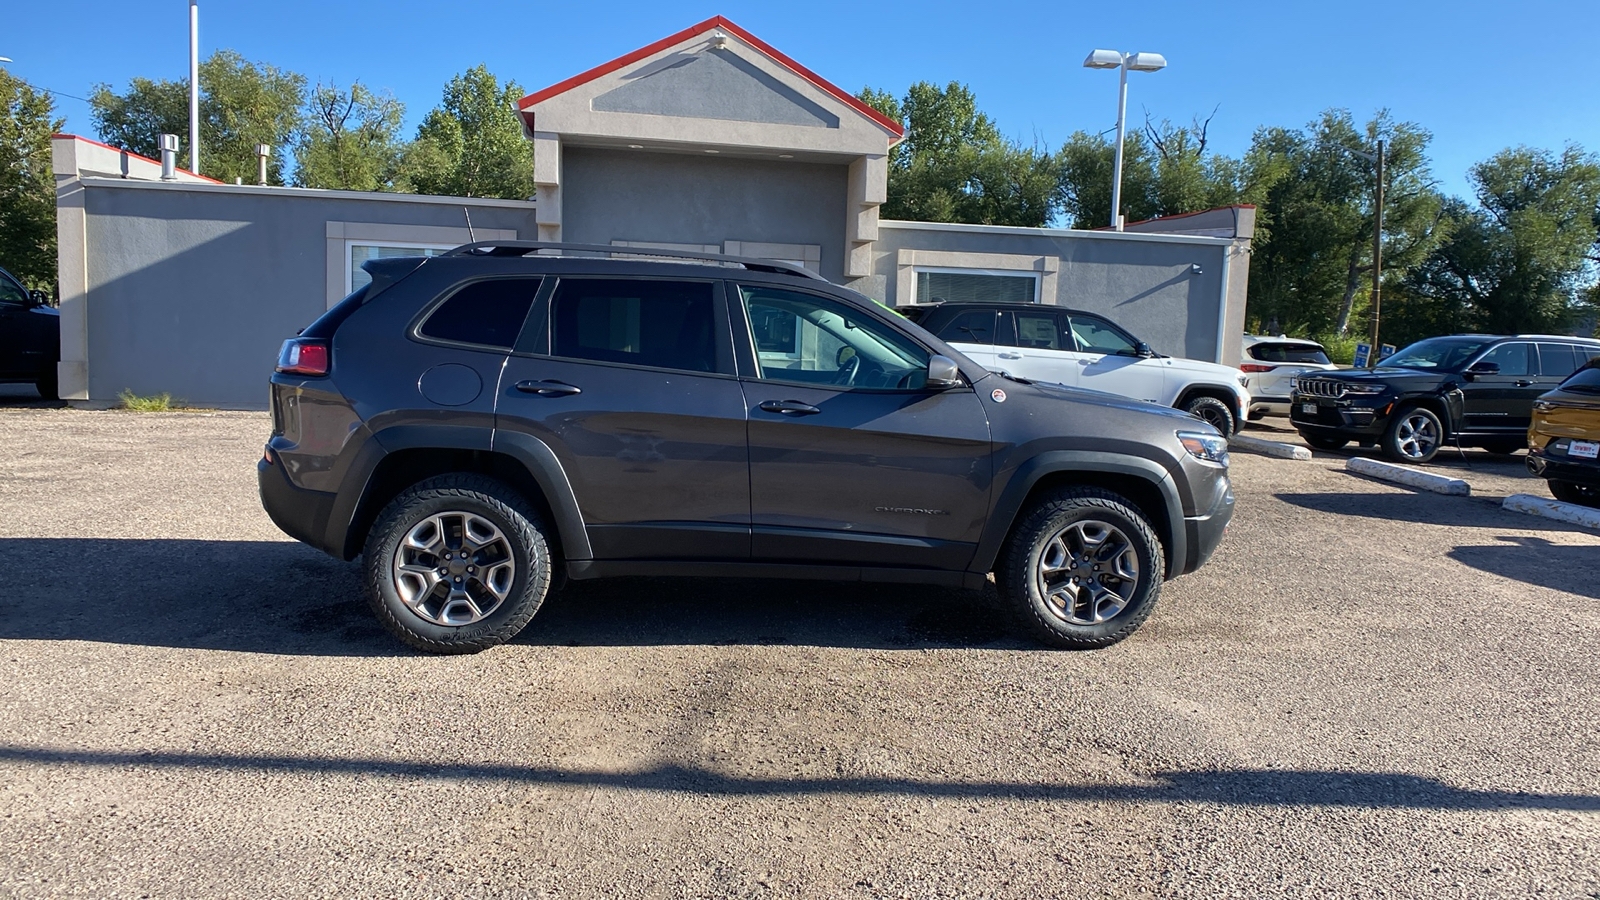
(524, 248)
(1556, 337)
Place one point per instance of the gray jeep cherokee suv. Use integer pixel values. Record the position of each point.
(478, 423)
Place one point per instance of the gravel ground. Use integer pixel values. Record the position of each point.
(1369, 692)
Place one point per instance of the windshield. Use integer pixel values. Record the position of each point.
(1438, 354)
(1584, 381)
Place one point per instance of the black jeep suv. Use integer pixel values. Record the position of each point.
(476, 423)
(1468, 389)
(30, 336)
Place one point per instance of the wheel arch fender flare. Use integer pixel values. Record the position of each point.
(1087, 462)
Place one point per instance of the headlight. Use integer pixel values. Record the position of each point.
(1543, 406)
(1365, 390)
(1209, 447)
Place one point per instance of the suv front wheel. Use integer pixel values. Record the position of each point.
(1083, 568)
(457, 564)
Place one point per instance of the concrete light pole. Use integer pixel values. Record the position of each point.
(194, 86)
(1138, 62)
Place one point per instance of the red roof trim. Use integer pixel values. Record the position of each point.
(147, 159)
(714, 22)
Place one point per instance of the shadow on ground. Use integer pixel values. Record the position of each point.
(1227, 787)
(1534, 560)
(1424, 507)
(25, 396)
(283, 597)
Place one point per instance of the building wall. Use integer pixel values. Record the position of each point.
(190, 290)
(622, 195)
(1146, 283)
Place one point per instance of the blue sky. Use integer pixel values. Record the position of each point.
(1480, 75)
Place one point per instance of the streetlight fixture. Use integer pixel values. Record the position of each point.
(194, 86)
(1138, 62)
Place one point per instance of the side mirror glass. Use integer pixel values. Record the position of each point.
(943, 372)
(1483, 368)
(39, 298)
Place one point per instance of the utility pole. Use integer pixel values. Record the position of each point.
(194, 86)
(1377, 261)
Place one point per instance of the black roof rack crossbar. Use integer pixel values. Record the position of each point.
(523, 248)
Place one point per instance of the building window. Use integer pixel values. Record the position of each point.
(358, 252)
(980, 285)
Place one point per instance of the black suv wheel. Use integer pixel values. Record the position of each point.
(1083, 568)
(1213, 412)
(457, 564)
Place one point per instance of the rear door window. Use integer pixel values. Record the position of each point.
(1041, 331)
(1557, 360)
(972, 327)
(489, 313)
(660, 324)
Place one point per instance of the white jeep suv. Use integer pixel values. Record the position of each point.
(1082, 349)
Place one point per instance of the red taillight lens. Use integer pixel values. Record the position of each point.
(303, 357)
(1254, 367)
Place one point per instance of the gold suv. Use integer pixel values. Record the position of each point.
(1564, 439)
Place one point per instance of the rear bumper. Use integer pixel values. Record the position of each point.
(301, 514)
(1270, 406)
(1204, 533)
(1563, 468)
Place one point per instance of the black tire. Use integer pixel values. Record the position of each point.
(47, 386)
(1403, 440)
(1324, 443)
(1213, 412)
(478, 496)
(1505, 447)
(1572, 492)
(1022, 587)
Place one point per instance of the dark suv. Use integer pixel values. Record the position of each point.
(30, 336)
(1468, 389)
(476, 423)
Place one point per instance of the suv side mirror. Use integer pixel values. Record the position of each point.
(1482, 368)
(1144, 350)
(39, 298)
(943, 372)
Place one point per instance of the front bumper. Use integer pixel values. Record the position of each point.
(1204, 532)
(1351, 417)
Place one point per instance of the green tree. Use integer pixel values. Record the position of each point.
(242, 104)
(27, 186)
(472, 145)
(351, 140)
(1520, 261)
(1312, 272)
(954, 166)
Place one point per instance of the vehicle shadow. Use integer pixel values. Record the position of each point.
(1224, 787)
(1424, 508)
(25, 396)
(283, 597)
(1534, 560)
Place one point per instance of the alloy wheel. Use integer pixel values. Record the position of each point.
(1088, 572)
(453, 568)
(1417, 436)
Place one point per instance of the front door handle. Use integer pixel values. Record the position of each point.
(1011, 356)
(1523, 382)
(789, 407)
(548, 388)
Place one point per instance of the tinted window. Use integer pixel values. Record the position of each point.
(1584, 381)
(11, 292)
(484, 312)
(663, 324)
(1512, 358)
(1444, 354)
(971, 327)
(828, 341)
(1041, 331)
(1557, 360)
(1100, 336)
(1288, 353)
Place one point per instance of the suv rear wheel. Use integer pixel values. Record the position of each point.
(457, 564)
(1083, 568)
(1572, 492)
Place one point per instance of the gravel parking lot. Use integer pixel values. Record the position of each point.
(1370, 692)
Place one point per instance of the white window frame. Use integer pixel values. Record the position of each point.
(907, 262)
(952, 270)
(351, 244)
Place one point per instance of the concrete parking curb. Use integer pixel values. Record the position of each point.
(1553, 509)
(1439, 484)
(1269, 448)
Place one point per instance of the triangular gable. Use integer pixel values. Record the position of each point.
(710, 82)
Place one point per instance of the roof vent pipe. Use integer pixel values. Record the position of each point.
(262, 152)
(169, 157)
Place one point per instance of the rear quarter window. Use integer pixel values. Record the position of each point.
(488, 313)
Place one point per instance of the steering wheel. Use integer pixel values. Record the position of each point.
(847, 372)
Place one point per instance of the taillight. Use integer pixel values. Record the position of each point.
(1255, 367)
(300, 356)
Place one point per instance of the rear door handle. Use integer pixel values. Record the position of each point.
(1011, 356)
(548, 388)
(789, 407)
(1522, 382)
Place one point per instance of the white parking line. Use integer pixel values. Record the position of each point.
(1428, 481)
